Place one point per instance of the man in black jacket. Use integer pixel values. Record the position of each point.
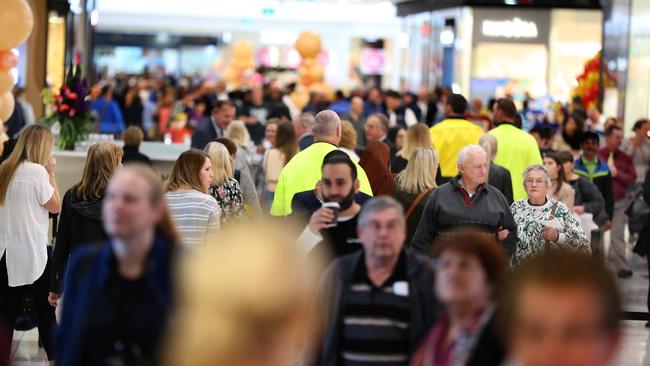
(466, 203)
(378, 302)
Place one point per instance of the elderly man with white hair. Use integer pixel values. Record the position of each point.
(542, 222)
(466, 203)
(303, 171)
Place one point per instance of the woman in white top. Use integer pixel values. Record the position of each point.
(28, 193)
(285, 146)
(196, 213)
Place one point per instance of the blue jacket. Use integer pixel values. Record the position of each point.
(110, 116)
(89, 309)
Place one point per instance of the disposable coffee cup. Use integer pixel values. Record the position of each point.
(334, 207)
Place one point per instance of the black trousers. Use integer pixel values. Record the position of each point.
(11, 301)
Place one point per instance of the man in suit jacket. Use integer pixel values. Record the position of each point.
(376, 129)
(222, 114)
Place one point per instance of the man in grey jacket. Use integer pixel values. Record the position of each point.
(466, 203)
(378, 303)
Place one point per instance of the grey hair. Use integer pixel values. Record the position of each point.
(307, 120)
(378, 204)
(540, 168)
(325, 124)
(465, 152)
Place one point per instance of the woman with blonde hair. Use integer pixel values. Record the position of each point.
(415, 184)
(238, 134)
(80, 222)
(224, 316)
(417, 136)
(285, 146)
(224, 187)
(118, 295)
(348, 142)
(28, 193)
(196, 213)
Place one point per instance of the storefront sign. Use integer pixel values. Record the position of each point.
(515, 28)
(511, 25)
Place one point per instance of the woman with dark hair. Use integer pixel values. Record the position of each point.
(470, 269)
(560, 189)
(285, 146)
(375, 161)
(197, 214)
(80, 221)
(28, 193)
(119, 295)
(133, 108)
(572, 129)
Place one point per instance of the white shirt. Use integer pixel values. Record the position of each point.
(24, 224)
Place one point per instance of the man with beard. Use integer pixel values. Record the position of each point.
(331, 233)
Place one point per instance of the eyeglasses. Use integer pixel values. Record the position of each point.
(530, 182)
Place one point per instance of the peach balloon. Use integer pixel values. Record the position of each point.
(17, 21)
(6, 81)
(308, 44)
(8, 60)
(7, 104)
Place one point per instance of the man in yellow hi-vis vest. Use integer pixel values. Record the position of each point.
(303, 171)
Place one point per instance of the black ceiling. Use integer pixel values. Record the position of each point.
(409, 7)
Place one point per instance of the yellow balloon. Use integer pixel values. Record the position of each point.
(7, 104)
(308, 44)
(17, 21)
(6, 81)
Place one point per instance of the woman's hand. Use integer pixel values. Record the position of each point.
(579, 209)
(53, 298)
(551, 234)
(51, 164)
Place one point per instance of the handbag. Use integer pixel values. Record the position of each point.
(415, 203)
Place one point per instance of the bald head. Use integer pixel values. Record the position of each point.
(327, 127)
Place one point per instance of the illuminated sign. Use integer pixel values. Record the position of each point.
(515, 28)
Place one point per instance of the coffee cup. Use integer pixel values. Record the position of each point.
(334, 207)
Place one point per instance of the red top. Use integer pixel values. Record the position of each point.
(626, 172)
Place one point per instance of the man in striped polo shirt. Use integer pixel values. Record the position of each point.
(381, 298)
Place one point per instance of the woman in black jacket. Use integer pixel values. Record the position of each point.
(81, 214)
(498, 176)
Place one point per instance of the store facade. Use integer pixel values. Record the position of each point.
(513, 50)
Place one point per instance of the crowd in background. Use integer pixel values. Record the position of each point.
(424, 230)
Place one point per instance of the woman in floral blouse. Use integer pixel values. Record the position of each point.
(543, 223)
(225, 189)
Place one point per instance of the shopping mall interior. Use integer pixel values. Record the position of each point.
(262, 92)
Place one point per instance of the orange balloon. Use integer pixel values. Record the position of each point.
(6, 81)
(17, 22)
(7, 104)
(8, 60)
(308, 44)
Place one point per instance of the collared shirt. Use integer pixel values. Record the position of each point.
(376, 319)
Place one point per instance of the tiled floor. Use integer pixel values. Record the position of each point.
(636, 342)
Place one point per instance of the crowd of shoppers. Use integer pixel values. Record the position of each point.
(415, 279)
